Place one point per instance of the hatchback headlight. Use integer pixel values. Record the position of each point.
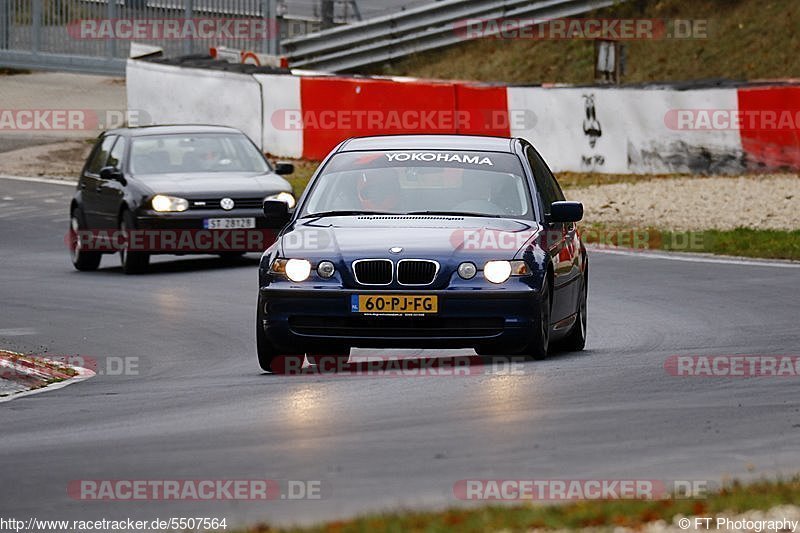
(164, 204)
(285, 197)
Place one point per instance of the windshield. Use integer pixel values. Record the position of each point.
(202, 152)
(415, 182)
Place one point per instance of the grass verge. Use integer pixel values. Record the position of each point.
(742, 242)
(574, 180)
(303, 170)
(746, 39)
(735, 498)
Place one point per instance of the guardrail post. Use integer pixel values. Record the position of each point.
(36, 25)
(111, 44)
(327, 13)
(188, 13)
(269, 12)
(5, 24)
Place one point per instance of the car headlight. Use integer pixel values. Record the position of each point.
(164, 204)
(500, 271)
(295, 269)
(285, 197)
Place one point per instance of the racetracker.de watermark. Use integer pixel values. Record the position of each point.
(171, 241)
(400, 367)
(733, 366)
(732, 119)
(381, 120)
(102, 366)
(634, 29)
(196, 489)
(578, 489)
(71, 119)
(128, 29)
(487, 239)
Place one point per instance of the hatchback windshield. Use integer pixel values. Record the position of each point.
(188, 153)
(417, 182)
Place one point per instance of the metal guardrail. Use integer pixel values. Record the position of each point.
(416, 30)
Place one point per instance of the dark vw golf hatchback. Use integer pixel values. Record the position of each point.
(173, 189)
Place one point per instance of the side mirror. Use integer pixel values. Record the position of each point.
(566, 211)
(284, 169)
(277, 213)
(111, 173)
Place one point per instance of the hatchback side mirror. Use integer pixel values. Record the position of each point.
(277, 213)
(283, 169)
(566, 211)
(111, 173)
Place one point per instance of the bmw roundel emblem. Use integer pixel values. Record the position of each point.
(226, 204)
(395, 250)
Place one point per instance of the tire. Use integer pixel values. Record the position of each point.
(540, 343)
(132, 262)
(575, 341)
(269, 358)
(81, 259)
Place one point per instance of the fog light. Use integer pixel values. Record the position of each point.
(326, 269)
(467, 270)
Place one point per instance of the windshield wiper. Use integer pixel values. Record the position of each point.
(453, 213)
(351, 213)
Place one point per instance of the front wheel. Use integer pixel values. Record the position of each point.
(132, 262)
(576, 339)
(540, 343)
(82, 259)
(270, 359)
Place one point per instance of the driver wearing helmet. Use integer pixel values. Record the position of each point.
(378, 190)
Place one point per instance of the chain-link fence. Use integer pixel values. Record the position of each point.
(96, 35)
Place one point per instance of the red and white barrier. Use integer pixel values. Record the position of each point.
(280, 95)
(771, 147)
(307, 116)
(627, 130)
(613, 130)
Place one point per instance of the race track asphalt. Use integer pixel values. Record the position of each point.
(197, 406)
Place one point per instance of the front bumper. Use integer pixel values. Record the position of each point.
(193, 218)
(321, 318)
(185, 232)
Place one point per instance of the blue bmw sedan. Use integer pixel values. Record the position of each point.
(424, 241)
